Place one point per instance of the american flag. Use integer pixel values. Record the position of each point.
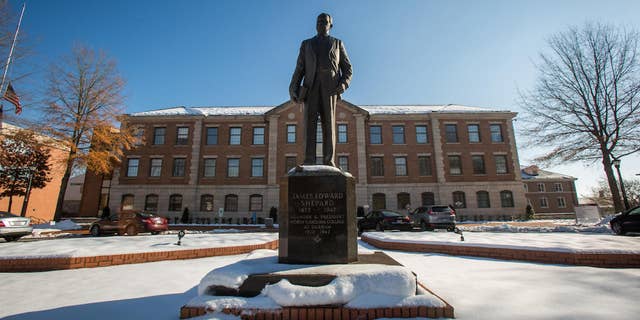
(11, 96)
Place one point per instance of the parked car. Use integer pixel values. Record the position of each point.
(628, 221)
(129, 222)
(434, 217)
(13, 227)
(381, 220)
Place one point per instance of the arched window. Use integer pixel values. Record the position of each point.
(483, 199)
(428, 199)
(231, 203)
(151, 202)
(127, 201)
(175, 202)
(206, 202)
(459, 200)
(379, 201)
(506, 199)
(255, 203)
(404, 199)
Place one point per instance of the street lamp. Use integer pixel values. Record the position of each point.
(616, 163)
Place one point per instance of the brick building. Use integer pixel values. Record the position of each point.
(235, 157)
(549, 192)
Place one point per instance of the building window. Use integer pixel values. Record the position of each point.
(290, 163)
(375, 134)
(496, 133)
(483, 199)
(451, 133)
(206, 202)
(127, 201)
(506, 199)
(179, 165)
(404, 200)
(541, 187)
(459, 199)
(255, 203)
(343, 163)
(258, 135)
(474, 133)
(421, 135)
(210, 167)
(424, 164)
(132, 167)
(158, 135)
(428, 199)
(291, 133)
(478, 164)
(155, 168)
(175, 202)
(401, 166)
(342, 133)
(455, 165)
(544, 203)
(377, 166)
(557, 187)
(501, 164)
(231, 203)
(212, 136)
(182, 135)
(561, 202)
(319, 139)
(138, 134)
(379, 201)
(257, 166)
(235, 135)
(233, 167)
(398, 134)
(151, 203)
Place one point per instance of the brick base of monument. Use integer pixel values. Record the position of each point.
(328, 312)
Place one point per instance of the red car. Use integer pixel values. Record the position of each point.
(130, 223)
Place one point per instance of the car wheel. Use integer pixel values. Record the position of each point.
(131, 230)
(617, 228)
(379, 227)
(95, 231)
(451, 229)
(10, 239)
(155, 232)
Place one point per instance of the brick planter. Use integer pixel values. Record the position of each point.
(602, 260)
(55, 263)
(329, 312)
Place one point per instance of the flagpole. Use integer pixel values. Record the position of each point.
(13, 44)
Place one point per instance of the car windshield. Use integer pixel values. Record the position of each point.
(7, 215)
(392, 214)
(145, 214)
(440, 209)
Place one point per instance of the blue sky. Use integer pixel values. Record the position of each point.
(223, 53)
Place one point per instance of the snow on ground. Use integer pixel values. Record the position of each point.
(357, 286)
(95, 246)
(39, 229)
(560, 242)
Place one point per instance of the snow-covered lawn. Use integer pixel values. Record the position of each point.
(559, 242)
(477, 288)
(95, 246)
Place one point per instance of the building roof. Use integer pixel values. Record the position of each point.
(535, 173)
(261, 110)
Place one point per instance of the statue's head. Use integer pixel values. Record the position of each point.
(324, 23)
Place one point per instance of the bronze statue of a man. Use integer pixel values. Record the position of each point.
(324, 69)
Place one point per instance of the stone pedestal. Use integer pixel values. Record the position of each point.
(318, 222)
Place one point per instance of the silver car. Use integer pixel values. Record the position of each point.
(434, 217)
(14, 227)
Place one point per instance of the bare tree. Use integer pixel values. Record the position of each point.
(24, 165)
(586, 102)
(601, 194)
(85, 92)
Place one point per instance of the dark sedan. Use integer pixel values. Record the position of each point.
(628, 221)
(381, 220)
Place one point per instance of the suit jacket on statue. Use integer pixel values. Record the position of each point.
(306, 67)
